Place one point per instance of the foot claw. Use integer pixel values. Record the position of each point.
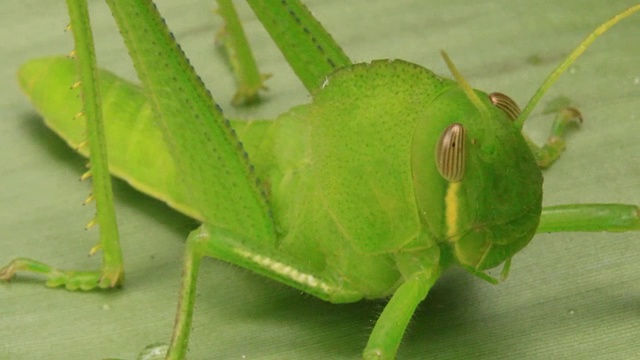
(71, 280)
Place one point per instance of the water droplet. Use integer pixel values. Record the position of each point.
(155, 351)
(325, 83)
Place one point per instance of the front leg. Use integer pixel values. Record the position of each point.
(551, 150)
(589, 217)
(392, 323)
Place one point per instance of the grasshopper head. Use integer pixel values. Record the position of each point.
(477, 184)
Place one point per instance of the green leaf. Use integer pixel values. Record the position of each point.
(567, 296)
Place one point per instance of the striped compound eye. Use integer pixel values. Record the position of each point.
(450, 152)
(506, 104)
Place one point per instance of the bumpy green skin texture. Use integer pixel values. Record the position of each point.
(344, 194)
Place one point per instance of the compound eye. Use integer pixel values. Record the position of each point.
(506, 104)
(450, 153)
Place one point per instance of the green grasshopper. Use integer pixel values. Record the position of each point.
(406, 265)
